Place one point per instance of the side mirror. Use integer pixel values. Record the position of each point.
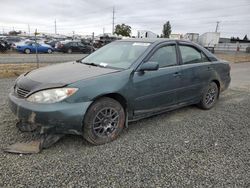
(149, 66)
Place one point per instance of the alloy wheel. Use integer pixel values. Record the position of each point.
(105, 122)
(211, 95)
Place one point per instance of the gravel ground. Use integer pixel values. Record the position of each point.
(43, 58)
(188, 147)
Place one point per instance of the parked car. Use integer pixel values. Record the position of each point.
(70, 47)
(30, 47)
(4, 46)
(86, 41)
(52, 43)
(121, 82)
(13, 39)
(104, 40)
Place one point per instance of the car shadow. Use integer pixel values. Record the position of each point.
(77, 141)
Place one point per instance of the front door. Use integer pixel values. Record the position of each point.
(156, 90)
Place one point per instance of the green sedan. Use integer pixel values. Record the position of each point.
(124, 81)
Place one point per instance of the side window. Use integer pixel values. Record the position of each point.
(80, 44)
(165, 56)
(72, 44)
(191, 55)
(204, 58)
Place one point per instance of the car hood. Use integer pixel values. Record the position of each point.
(59, 75)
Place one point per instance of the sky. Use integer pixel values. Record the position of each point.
(87, 16)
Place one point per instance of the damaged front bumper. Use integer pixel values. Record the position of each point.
(58, 118)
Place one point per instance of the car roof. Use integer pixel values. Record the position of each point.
(153, 40)
(159, 40)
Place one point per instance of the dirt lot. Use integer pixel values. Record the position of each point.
(188, 147)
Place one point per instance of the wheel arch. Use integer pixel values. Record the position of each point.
(217, 83)
(116, 96)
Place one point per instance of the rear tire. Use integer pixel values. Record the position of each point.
(104, 121)
(49, 51)
(27, 51)
(209, 97)
(69, 51)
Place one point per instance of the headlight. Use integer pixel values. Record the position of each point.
(51, 95)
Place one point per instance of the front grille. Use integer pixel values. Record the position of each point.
(21, 92)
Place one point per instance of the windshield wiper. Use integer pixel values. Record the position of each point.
(98, 65)
(92, 64)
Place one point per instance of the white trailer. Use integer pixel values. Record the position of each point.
(175, 36)
(146, 34)
(194, 37)
(209, 40)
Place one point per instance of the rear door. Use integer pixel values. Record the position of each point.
(74, 47)
(156, 90)
(195, 71)
(82, 47)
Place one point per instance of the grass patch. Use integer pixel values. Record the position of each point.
(13, 70)
(234, 57)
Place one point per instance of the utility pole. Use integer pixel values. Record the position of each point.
(113, 21)
(37, 59)
(103, 30)
(29, 29)
(55, 27)
(217, 26)
(92, 43)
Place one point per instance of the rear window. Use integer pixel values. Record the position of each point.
(192, 55)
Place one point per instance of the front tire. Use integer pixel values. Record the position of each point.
(210, 96)
(104, 121)
(27, 51)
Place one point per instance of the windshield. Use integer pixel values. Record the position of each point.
(117, 54)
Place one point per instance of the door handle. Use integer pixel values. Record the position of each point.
(176, 74)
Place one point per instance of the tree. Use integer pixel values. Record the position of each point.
(245, 38)
(15, 33)
(166, 30)
(123, 30)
